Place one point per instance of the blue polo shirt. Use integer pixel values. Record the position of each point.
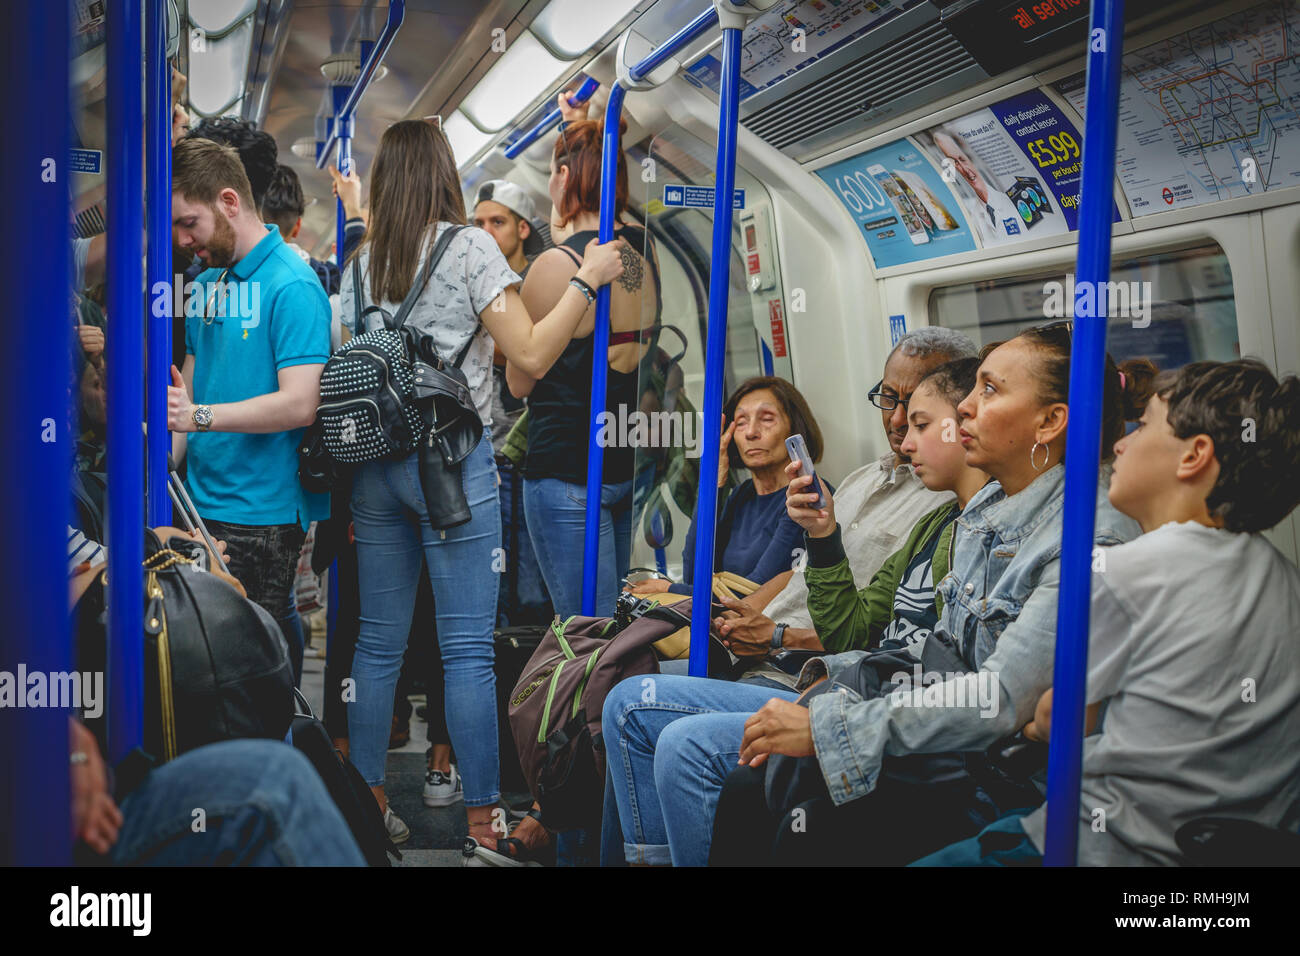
(274, 315)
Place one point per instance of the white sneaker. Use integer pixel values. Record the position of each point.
(398, 831)
(474, 853)
(442, 789)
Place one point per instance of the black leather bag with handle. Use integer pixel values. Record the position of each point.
(216, 665)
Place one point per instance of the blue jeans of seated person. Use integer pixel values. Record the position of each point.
(1001, 843)
(670, 742)
(263, 805)
(557, 517)
(392, 529)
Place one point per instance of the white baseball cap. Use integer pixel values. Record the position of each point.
(509, 195)
(518, 202)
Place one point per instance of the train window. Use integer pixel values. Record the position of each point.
(667, 463)
(1172, 307)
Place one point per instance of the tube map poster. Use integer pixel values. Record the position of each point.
(1211, 113)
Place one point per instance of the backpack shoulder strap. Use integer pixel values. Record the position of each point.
(417, 288)
(356, 293)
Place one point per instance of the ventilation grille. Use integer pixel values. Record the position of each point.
(882, 77)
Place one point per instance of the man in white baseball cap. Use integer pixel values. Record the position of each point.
(506, 212)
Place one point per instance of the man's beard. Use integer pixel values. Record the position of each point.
(221, 247)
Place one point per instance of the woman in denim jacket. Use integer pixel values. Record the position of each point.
(999, 612)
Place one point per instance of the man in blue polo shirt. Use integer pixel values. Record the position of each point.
(256, 338)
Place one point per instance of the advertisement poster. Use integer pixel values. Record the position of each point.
(1015, 167)
(902, 205)
(793, 34)
(1209, 114)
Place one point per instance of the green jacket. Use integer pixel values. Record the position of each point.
(848, 619)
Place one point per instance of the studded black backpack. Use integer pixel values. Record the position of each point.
(372, 388)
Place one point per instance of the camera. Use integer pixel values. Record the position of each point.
(629, 607)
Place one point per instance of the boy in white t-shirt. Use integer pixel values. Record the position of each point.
(1194, 649)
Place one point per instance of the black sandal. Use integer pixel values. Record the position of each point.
(510, 851)
(538, 855)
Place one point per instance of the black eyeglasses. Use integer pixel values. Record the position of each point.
(883, 400)
(215, 289)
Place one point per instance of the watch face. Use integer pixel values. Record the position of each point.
(203, 416)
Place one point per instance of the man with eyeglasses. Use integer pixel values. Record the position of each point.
(877, 505)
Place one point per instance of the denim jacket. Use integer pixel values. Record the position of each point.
(999, 611)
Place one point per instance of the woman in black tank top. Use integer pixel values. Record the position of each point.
(560, 414)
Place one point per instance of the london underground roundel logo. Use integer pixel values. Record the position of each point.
(1168, 195)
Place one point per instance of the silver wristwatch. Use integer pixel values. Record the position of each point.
(202, 417)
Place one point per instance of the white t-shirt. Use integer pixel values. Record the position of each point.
(471, 273)
(1195, 646)
(876, 508)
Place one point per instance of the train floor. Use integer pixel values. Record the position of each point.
(437, 833)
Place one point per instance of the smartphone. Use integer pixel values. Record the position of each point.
(943, 220)
(915, 200)
(797, 449)
(902, 206)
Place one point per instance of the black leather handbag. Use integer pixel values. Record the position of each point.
(452, 430)
(216, 664)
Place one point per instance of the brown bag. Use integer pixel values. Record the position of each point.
(677, 646)
(555, 709)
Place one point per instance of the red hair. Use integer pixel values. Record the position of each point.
(579, 147)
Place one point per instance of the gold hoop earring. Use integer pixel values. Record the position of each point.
(1046, 456)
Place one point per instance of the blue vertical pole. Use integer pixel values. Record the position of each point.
(610, 155)
(124, 350)
(716, 351)
(372, 55)
(158, 183)
(34, 393)
(343, 127)
(1083, 440)
(610, 152)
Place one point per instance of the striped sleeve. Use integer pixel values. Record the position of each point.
(81, 550)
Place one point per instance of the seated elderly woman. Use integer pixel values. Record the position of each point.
(755, 537)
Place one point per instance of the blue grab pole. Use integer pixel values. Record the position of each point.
(715, 353)
(610, 152)
(124, 350)
(705, 21)
(34, 393)
(158, 183)
(1083, 440)
(370, 63)
(341, 129)
(345, 167)
(551, 119)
